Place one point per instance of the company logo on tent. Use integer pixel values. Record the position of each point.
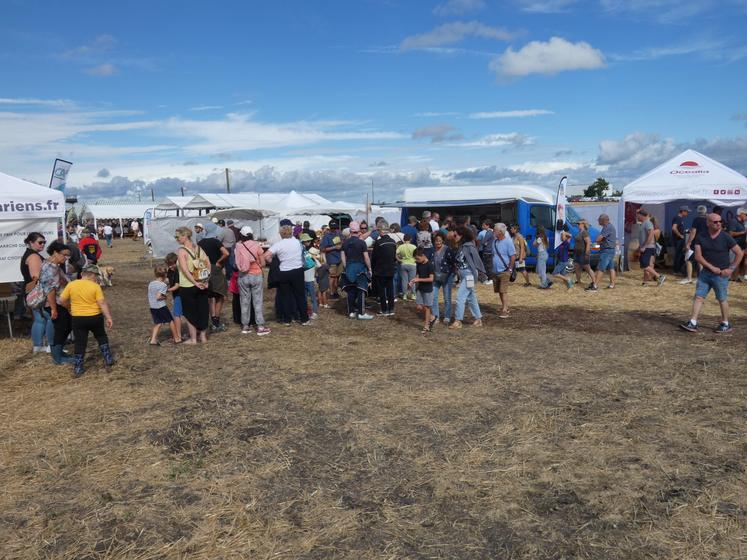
(689, 168)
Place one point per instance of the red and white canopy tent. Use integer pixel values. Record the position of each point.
(689, 178)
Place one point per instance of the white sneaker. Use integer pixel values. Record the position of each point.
(352, 316)
(246, 330)
(685, 281)
(488, 282)
(365, 317)
(313, 316)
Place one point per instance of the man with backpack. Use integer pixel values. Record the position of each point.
(90, 247)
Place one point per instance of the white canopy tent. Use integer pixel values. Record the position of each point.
(690, 177)
(177, 204)
(261, 211)
(25, 208)
(120, 212)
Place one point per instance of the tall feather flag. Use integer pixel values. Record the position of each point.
(560, 205)
(59, 174)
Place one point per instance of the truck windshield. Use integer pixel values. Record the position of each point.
(571, 215)
(542, 217)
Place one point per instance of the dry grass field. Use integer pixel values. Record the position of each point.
(586, 426)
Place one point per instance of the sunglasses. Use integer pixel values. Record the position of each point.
(42, 241)
(714, 221)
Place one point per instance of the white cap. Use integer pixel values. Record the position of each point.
(246, 230)
(199, 225)
(215, 220)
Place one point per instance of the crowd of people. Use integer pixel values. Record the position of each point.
(312, 269)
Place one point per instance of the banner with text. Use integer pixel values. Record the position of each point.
(12, 246)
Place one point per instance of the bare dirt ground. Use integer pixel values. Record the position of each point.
(586, 426)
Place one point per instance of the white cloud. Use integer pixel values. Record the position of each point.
(663, 11)
(636, 151)
(494, 140)
(510, 114)
(106, 69)
(546, 167)
(36, 101)
(545, 6)
(451, 33)
(206, 108)
(437, 114)
(437, 133)
(556, 55)
(101, 44)
(458, 7)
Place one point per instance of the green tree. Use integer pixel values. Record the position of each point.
(597, 188)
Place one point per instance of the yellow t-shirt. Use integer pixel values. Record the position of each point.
(406, 252)
(83, 296)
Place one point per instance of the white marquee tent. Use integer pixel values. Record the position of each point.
(24, 208)
(272, 207)
(690, 178)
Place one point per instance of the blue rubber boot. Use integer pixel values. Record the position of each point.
(58, 357)
(78, 365)
(106, 351)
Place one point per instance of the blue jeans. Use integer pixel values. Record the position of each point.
(446, 287)
(542, 268)
(42, 326)
(108, 240)
(311, 292)
(466, 295)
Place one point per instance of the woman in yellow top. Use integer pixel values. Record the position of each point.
(90, 313)
(194, 291)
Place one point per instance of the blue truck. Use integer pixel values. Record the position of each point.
(529, 206)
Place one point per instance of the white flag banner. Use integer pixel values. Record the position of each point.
(59, 174)
(560, 205)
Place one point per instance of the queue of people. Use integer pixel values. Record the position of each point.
(424, 262)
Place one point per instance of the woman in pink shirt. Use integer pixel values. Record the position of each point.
(250, 260)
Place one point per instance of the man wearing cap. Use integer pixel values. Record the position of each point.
(199, 232)
(308, 231)
(331, 245)
(739, 233)
(712, 250)
(357, 265)
(647, 248)
(679, 235)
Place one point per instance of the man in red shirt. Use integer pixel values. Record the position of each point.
(90, 248)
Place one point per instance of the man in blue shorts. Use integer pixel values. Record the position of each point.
(712, 249)
(607, 240)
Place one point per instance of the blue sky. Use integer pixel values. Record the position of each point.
(330, 96)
